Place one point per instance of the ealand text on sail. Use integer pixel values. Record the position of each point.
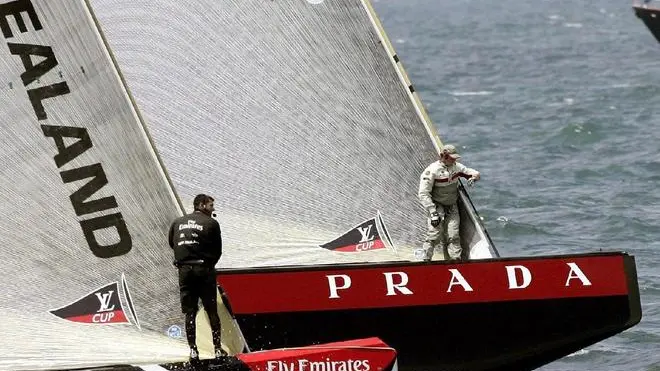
(21, 11)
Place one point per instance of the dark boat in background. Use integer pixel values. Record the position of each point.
(650, 15)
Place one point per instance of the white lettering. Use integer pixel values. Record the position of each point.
(364, 246)
(103, 317)
(576, 272)
(513, 280)
(366, 365)
(104, 300)
(458, 279)
(187, 242)
(323, 365)
(365, 232)
(401, 286)
(332, 283)
(191, 225)
(317, 366)
(362, 365)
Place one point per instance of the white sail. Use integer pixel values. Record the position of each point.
(291, 113)
(296, 115)
(87, 276)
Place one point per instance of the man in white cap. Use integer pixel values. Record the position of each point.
(438, 194)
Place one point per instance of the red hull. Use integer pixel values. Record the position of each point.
(370, 354)
(484, 315)
(358, 355)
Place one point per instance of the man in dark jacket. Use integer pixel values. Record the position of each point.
(197, 244)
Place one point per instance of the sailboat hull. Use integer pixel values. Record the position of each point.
(483, 315)
(651, 18)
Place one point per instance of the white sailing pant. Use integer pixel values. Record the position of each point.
(445, 234)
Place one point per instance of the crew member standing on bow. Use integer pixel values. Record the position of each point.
(197, 244)
(438, 194)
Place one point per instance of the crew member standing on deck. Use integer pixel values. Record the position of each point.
(197, 244)
(438, 194)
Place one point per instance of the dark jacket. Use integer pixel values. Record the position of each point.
(196, 237)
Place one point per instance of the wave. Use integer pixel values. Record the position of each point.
(470, 93)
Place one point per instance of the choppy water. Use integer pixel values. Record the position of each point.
(556, 103)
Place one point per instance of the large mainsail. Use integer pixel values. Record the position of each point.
(290, 112)
(87, 276)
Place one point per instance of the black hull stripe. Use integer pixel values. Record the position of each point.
(495, 336)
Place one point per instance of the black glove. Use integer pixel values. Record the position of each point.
(435, 219)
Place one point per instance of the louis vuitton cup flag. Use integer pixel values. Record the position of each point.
(102, 306)
(368, 235)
